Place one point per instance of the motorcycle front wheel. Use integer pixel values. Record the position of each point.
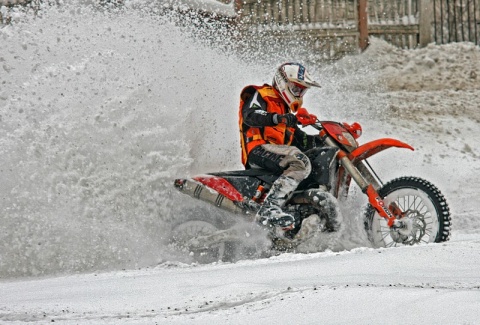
(420, 205)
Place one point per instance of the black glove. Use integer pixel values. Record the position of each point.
(288, 119)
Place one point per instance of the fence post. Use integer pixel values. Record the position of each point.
(362, 24)
(425, 9)
(238, 6)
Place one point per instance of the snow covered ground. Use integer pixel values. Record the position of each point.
(434, 284)
(100, 111)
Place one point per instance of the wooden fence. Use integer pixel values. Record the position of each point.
(397, 21)
(336, 27)
(339, 26)
(8, 3)
(331, 12)
(456, 21)
(336, 24)
(328, 26)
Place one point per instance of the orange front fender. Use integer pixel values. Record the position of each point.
(371, 148)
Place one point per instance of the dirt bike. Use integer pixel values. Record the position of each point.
(404, 211)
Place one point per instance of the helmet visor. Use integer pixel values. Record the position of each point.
(296, 89)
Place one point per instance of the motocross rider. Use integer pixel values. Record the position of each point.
(271, 139)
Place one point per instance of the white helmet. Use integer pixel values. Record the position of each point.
(292, 81)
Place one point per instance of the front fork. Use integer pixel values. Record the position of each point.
(376, 201)
(373, 197)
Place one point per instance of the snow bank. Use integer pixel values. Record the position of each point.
(454, 66)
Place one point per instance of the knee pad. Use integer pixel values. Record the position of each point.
(306, 162)
(298, 166)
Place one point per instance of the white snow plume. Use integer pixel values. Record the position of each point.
(99, 112)
(101, 109)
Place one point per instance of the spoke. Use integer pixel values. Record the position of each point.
(411, 204)
(420, 203)
(415, 202)
(422, 206)
(422, 209)
(391, 244)
(385, 236)
(415, 207)
(404, 203)
(400, 205)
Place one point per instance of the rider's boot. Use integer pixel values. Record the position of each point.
(271, 213)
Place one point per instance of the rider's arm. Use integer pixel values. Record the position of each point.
(254, 111)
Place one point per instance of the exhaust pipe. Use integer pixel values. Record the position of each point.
(204, 193)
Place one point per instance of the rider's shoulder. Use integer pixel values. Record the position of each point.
(264, 90)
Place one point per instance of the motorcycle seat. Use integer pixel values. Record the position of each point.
(244, 172)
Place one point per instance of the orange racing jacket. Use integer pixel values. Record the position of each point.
(258, 105)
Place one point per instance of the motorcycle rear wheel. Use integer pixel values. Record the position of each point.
(200, 221)
(423, 207)
(182, 233)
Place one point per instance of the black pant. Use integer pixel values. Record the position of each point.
(281, 159)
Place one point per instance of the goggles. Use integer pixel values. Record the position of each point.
(296, 89)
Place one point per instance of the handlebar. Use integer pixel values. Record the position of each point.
(305, 118)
